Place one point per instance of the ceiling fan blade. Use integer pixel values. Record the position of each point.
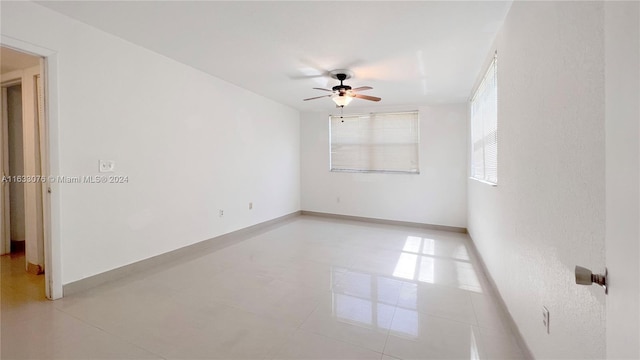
(317, 97)
(362, 88)
(353, 64)
(367, 97)
(323, 89)
(304, 77)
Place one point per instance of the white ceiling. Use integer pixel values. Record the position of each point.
(409, 52)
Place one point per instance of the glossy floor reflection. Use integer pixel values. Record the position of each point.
(310, 288)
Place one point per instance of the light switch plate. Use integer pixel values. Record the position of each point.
(106, 166)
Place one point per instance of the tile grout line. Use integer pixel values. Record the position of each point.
(110, 333)
(386, 340)
(342, 341)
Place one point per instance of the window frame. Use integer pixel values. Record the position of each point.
(373, 171)
(491, 69)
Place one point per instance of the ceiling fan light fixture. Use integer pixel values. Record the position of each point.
(342, 99)
(343, 94)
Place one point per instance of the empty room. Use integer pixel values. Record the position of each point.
(320, 180)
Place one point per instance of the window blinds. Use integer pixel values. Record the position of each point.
(380, 142)
(484, 128)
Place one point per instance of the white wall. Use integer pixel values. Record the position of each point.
(622, 84)
(190, 144)
(547, 213)
(436, 196)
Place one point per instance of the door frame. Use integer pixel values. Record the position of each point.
(50, 162)
(5, 235)
(9, 79)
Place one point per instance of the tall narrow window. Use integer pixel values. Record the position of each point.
(484, 128)
(378, 142)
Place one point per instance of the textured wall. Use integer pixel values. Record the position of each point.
(436, 196)
(547, 213)
(622, 75)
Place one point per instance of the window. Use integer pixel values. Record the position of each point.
(484, 128)
(377, 142)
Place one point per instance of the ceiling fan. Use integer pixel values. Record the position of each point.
(343, 94)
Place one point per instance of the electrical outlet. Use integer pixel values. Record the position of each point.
(250, 205)
(545, 318)
(221, 213)
(106, 166)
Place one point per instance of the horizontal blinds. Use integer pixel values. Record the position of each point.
(484, 128)
(477, 142)
(383, 142)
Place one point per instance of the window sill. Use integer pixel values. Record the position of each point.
(375, 171)
(484, 182)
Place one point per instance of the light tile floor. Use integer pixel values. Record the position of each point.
(310, 288)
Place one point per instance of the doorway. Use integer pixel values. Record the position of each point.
(22, 202)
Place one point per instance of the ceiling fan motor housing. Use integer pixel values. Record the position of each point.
(341, 89)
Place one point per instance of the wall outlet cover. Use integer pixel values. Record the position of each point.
(106, 166)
